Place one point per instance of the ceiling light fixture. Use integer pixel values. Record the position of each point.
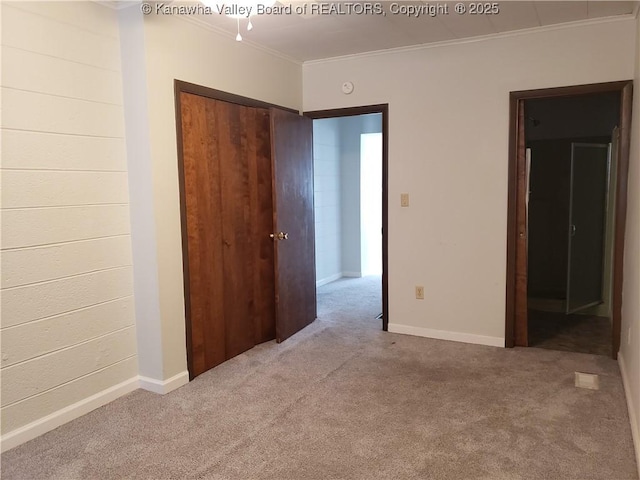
(238, 9)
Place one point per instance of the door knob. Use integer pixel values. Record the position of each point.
(280, 235)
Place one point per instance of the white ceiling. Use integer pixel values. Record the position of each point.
(314, 37)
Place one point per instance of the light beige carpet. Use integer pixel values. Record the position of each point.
(343, 399)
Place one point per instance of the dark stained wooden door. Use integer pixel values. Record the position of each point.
(520, 330)
(291, 139)
(626, 104)
(227, 196)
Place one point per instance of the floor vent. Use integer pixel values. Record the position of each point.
(587, 380)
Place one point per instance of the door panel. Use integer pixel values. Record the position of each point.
(291, 137)
(204, 235)
(233, 140)
(261, 220)
(520, 331)
(626, 102)
(589, 165)
(228, 208)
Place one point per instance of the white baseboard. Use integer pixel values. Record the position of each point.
(86, 405)
(352, 274)
(632, 409)
(338, 276)
(329, 279)
(60, 417)
(445, 335)
(164, 386)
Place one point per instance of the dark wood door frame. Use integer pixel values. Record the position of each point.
(186, 87)
(363, 110)
(180, 86)
(516, 311)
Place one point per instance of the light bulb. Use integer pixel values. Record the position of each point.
(249, 25)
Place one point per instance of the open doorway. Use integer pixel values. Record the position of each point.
(571, 145)
(595, 196)
(350, 202)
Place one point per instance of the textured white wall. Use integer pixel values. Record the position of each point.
(630, 341)
(68, 327)
(143, 241)
(448, 120)
(337, 173)
(326, 166)
(350, 130)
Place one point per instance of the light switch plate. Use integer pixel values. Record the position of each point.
(404, 199)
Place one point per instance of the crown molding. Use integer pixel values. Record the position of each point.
(122, 4)
(119, 4)
(478, 39)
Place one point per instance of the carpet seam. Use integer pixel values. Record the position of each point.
(277, 417)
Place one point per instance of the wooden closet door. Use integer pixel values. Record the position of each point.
(261, 221)
(229, 255)
(292, 158)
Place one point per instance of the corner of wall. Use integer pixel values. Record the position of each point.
(629, 355)
(143, 228)
(633, 409)
(166, 386)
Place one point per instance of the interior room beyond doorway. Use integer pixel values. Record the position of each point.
(571, 152)
(348, 197)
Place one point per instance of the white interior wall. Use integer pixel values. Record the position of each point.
(68, 325)
(350, 130)
(370, 228)
(448, 120)
(326, 166)
(145, 268)
(337, 194)
(371, 203)
(629, 357)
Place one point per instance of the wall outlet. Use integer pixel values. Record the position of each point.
(404, 199)
(419, 292)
